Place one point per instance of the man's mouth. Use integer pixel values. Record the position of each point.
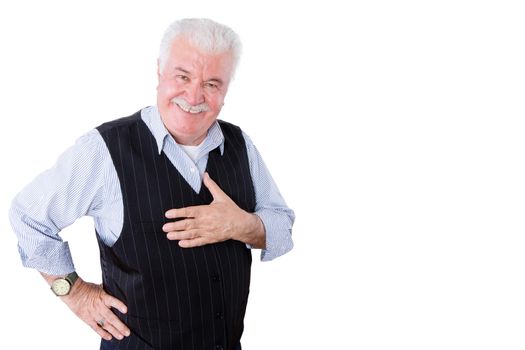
(188, 108)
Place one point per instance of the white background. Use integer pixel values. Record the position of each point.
(394, 129)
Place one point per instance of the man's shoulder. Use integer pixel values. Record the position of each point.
(119, 123)
(228, 127)
(233, 135)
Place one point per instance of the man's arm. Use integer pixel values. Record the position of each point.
(271, 208)
(54, 200)
(72, 188)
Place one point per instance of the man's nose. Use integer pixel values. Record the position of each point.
(194, 94)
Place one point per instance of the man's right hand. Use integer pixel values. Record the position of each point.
(93, 305)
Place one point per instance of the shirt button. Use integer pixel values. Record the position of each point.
(192, 170)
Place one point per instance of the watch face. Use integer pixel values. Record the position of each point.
(60, 287)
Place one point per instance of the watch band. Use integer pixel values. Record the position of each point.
(72, 277)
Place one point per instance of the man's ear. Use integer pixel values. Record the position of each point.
(158, 69)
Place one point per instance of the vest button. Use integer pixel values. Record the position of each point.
(219, 316)
(215, 278)
(219, 347)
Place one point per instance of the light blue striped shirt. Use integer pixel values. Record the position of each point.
(84, 182)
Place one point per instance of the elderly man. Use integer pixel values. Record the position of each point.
(178, 198)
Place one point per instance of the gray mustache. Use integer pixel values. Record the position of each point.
(187, 107)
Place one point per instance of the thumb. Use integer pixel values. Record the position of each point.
(214, 189)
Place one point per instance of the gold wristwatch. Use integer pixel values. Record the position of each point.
(62, 286)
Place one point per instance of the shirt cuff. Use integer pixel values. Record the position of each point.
(278, 230)
(52, 258)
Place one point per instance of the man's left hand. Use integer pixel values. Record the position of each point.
(219, 221)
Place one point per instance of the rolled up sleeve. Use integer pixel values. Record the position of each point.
(53, 201)
(278, 227)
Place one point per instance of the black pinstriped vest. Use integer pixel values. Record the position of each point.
(177, 298)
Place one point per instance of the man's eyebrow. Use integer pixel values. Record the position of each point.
(182, 70)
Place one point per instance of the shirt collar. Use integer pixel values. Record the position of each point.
(151, 116)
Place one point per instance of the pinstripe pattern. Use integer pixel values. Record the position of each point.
(209, 283)
(84, 182)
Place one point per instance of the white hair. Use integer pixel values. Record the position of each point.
(206, 35)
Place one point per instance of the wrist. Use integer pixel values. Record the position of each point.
(254, 232)
(62, 286)
(76, 290)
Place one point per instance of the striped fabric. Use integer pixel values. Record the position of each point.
(84, 182)
(177, 298)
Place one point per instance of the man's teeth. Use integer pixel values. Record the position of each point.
(190, 109)
(184, 108)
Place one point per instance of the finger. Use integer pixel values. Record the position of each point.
(186, 212)
(113, 331)
(111, 301)
(111, 323)
(180, 225)
(214, 189)
(116, 328)
(100, 331)
(191, 243)
(182, 235)
(114, 325)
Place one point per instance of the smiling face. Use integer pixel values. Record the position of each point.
(191, 90)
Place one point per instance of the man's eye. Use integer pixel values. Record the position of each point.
(183, 77)
(211, 85)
